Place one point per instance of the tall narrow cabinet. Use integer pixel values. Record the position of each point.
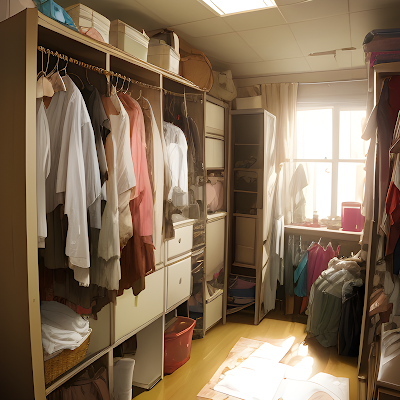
(209, 263)
(252, 187)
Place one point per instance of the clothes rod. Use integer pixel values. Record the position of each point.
(95, 68)
(110, 73)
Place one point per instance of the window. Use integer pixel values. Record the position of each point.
(328, 143)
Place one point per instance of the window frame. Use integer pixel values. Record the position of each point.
(335, 160)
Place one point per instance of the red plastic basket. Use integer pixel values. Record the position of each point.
(177, 344)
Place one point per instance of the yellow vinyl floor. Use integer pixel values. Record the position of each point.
(210, 352)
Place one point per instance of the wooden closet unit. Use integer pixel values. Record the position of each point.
(143, 315)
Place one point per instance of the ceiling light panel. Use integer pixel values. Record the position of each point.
(225, 7)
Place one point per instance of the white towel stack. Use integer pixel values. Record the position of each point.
(62, 328)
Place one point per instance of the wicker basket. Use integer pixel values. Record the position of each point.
(67, 359)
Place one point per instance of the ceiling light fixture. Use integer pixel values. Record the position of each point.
(226, 7)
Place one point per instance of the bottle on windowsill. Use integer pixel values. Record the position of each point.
(315, 218)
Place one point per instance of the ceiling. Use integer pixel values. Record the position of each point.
(266, 42)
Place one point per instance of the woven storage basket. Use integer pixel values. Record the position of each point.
(67, 359)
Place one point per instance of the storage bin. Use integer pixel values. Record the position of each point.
(178, 343)
(164, 56)
(246, 103)
(85, 17)
(67, 359)
(129, 39)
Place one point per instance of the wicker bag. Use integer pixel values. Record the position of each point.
(56, 366)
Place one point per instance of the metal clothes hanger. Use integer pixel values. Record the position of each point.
(127, 88)
(122, 87)
(140, 95)
(80, 80)
(64, 69)
(87, 78)
(44, 88)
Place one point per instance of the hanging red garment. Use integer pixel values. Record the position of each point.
(393, 210)
(137, 257)
(318, 259)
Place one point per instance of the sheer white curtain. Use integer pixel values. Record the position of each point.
(280, 99)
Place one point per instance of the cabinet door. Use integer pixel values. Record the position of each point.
(215, 247)
(215, 153)
(215, 119)
(214, 311)
(131, 312)
(179, 282)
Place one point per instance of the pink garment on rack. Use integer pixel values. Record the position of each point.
(318, 259)
(138, 149)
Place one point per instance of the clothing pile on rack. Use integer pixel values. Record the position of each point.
(100, 190)
(333, 287)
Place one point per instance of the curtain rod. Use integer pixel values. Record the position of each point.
(320, 83)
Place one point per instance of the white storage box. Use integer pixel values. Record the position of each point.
(164, 56)
(244, 103)
(129, 39)
(85, 17)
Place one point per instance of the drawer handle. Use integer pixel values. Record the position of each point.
(179, 240)
(180, 280)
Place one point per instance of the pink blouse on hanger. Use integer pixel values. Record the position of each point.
(138, 150)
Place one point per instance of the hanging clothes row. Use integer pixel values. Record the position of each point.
(97, 201)
(185, 198)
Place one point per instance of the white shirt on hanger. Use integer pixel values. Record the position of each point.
(125, 174)
(75, 180)
(43, 160)
(177, 159)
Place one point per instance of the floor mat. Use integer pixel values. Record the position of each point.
(257, 370)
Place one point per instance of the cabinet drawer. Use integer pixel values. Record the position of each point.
(244, 255)
(214, 311)
(215, 119)
(178, 281)
(215, 247)
(245, 231)
(131, 312)
(215, 153)
(182, 243)
(245, 240)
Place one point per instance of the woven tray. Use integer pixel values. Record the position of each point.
(67, 359)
